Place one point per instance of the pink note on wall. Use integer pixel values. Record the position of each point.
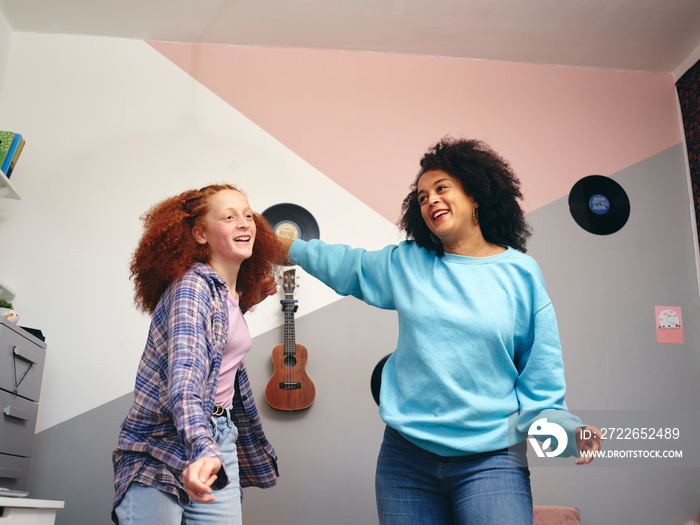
(669, 324)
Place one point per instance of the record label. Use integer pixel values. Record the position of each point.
(599, 205)
(287, 229)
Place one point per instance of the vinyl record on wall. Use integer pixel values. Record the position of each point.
(375, 383)
(291, 221)
(599, 205)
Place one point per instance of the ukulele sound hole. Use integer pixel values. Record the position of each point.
(290, 361)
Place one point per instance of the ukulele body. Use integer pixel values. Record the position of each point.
(290, 387)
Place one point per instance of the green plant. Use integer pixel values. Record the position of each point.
(5, 304)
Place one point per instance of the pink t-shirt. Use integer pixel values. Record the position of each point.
(237, 346)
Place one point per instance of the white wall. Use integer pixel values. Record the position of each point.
(118, 129)
(5, 43)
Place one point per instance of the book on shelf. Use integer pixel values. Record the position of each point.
(14, 159)
(17, 139)
(5, 143)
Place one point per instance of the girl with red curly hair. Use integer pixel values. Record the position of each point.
(193, 437)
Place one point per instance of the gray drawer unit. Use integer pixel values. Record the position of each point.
(21, 361)
(17, 424)
(21, 369)
(14, 472)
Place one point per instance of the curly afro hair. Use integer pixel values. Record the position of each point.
(167, 248)
(487, 178)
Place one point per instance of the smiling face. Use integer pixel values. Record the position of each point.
(229, 230)
(446, 208)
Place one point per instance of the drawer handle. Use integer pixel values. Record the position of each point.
(6, 472)
(17, 413)
(25, 354)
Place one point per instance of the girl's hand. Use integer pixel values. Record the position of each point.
(198, 478)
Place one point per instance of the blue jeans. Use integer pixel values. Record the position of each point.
(144, 505)
(417, 487)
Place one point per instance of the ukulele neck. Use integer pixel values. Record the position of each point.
(289, 306)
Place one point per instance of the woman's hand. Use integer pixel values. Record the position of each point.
(198, 478)
(587, 441)
(286, 243)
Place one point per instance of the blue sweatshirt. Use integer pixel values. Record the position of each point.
(478, 357)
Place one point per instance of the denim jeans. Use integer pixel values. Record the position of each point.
(144, 505)
(417, 487)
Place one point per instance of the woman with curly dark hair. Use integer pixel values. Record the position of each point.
(487, 179)
(193, 437)
(478, 360)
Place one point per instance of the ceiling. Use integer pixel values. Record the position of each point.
(634, 35)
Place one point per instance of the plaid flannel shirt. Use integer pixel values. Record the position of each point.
(168, 425)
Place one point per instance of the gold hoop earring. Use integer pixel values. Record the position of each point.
(434, 238)
(475, 215)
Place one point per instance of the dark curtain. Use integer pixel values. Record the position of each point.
(688, 87)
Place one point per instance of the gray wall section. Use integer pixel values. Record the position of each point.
(327, 453)
(604, 289)
(72, 462)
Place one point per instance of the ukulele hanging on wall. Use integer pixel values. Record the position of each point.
(290, 388)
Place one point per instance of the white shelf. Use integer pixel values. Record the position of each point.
(31, 503)
(6, 292)
(22, 511)
(7, 190)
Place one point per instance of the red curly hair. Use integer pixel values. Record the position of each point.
(167, 248)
